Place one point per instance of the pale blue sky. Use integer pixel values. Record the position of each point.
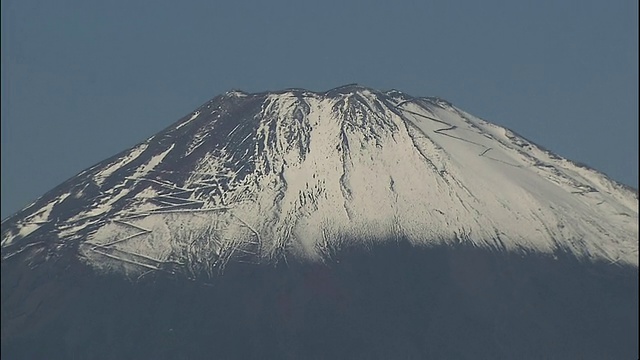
(83, 80)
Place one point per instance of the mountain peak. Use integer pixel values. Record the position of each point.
(294, 173)
(335, 224)
(349, 89)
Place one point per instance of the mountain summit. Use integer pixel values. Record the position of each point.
(346, 224)
(260, 177)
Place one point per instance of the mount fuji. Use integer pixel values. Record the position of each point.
(341, 224)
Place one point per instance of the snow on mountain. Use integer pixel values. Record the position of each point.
(262, 177)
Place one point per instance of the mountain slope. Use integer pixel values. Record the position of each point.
(347, 224)
(390, 302)
(269, 175)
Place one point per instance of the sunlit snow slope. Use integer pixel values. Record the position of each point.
(262, 177)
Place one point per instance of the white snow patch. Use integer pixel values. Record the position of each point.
(100, 176)
(152, 163)
(33, 222)
(193, 117)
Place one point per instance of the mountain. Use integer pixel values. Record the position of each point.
(340, 224)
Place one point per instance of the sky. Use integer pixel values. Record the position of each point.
(84, 80)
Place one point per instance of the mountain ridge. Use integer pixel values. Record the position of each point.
(275, 168)
(352, 224)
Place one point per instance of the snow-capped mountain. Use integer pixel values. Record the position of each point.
(266, 176)
(347, 224)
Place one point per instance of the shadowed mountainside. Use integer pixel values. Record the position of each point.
(392, 301)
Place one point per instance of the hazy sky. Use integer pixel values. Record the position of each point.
(84, 80)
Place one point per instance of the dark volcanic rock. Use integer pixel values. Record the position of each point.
(394, 301)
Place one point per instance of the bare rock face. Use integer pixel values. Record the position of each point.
(351, 223)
